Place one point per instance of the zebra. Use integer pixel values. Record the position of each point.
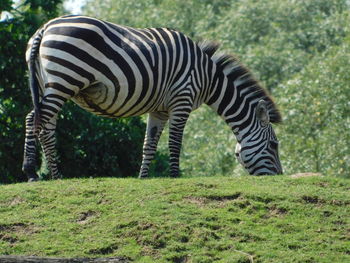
(118, 71)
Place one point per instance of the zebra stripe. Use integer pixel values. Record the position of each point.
(118, 71)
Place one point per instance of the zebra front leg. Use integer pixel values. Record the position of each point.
(177, 124)
(48, 143)
(155, 126)
(29, 158)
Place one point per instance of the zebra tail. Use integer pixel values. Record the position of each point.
(33, 78)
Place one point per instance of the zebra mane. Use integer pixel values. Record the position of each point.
(234, 69)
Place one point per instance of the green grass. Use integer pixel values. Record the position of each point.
(205, 219)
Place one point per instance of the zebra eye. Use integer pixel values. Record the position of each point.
(263, 124)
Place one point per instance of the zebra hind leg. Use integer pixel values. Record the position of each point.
(48, 142)
(155, 125)
(29, 159)
(52, 102)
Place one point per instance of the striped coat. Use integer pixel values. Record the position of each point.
(117, 71)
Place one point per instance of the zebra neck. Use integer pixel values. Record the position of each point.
(235, 101)
(235, 93)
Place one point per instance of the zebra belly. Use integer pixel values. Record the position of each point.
(93, 99)
(98, 99)
(103, 100)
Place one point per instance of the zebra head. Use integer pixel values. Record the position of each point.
(257, 149)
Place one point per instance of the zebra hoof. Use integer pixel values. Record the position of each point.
(32, 179)
(59, 176)
(29, 171)
(175, 175)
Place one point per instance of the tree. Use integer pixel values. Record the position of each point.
(317, 115)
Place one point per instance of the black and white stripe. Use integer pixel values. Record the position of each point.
(117, 71)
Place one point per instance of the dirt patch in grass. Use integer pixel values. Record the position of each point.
(275, 211)
(223, 198)
(7, 238)
(11, 233)
(126, 225)
(105, 250)
(197, 200)
(217, 200)
(313, 199)
(16, 201)
(207, 186)
(86, 217)
(17, 228)
(340, 202)
(146, 225)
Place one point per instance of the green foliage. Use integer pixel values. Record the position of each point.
(183, 15)
(277, 38)
(317, 115)
(216, 219)
(98, 147)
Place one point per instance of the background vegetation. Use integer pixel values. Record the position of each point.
(298, 49)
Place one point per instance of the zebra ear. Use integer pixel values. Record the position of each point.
(262, 112)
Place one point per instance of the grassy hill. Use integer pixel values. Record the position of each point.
(205, 219)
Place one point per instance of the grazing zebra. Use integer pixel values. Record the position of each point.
(118, 71)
